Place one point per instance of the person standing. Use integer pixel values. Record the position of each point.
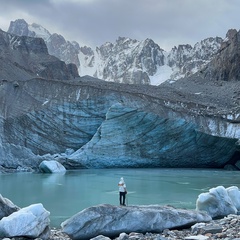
(122, 191)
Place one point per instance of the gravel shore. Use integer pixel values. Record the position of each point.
(227, 228)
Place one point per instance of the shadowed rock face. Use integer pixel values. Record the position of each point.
(226, 66)
(56, 44)
(24, 57)
(111, 125)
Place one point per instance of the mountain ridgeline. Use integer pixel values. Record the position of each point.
(24, 57)
(48, 112)
(126, 60)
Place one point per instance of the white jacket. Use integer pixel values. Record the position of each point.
(122, 186)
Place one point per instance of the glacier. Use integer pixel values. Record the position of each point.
(89, 123)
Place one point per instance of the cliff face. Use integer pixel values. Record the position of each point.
(91, 123)
(26, 57)
(56, 44)
(226, 66)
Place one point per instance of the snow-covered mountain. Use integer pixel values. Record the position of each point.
(185, 60)
(132, 61)
(127, 60)
(57, 45)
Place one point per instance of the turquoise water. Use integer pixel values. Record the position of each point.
(66, 194)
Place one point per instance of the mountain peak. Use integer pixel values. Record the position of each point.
(19, 27)
(56, 43)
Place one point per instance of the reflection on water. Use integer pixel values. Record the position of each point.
(66, 194)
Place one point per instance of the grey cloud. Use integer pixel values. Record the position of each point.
(94, 22)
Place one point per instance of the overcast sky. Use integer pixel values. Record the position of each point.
(94, 22)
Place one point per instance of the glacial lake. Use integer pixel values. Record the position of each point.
(66, 194)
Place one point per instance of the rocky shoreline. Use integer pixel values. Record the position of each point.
(227, 228)
(216, 217)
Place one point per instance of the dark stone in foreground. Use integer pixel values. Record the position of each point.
(110, 221)
(7, 207)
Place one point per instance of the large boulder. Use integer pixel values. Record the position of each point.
(6, 207)
(32, 222)
(234, 194)
(217, 202)
(110, 221)
(52, 167)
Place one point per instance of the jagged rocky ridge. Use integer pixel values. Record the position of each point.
(226, 66)
(56, 43)
(24, 57)
(127, 60)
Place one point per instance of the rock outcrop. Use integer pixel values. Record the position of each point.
(6, 207)
(24, 57)
(57, 45)
(186, 60)
(110, 221)
(225, 67)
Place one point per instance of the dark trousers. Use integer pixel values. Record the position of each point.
(122, 197)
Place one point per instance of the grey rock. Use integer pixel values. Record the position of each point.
(202, 228)
(110, 221)
(56, 44)
(187, 60)
(222, 67)
(52, 167)
(24, 57)
(196, 228)
(212, 229)
(62, 49)
(7, 207)
(32, 221)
